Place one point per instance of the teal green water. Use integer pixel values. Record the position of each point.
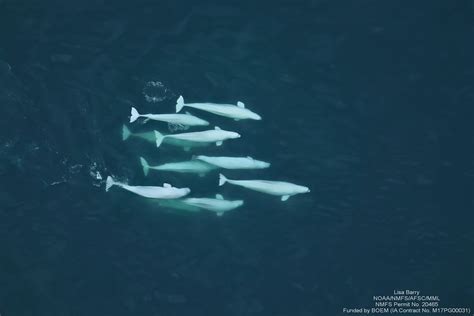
(367, 103)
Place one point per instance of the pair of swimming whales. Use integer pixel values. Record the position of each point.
(175, 197)
(202, 164)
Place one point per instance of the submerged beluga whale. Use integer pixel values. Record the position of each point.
(234, 162)
(236, 112)
(153, 192)
(176, 119)
(190, 166)
(217, 205)
(216, 135)
(279, 188)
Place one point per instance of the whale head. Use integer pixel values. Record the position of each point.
(303, 189)
(262, 164)
(255, 116)
(238, 203)
(234, 135)
(186, 191)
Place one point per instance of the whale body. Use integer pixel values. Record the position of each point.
(216, 135)
(217, 205)
(178, 204)
(279, 188)
(234, 162)
(191, 166)
(177, 119)
(237, 112)
(186, 145)
(153, 192)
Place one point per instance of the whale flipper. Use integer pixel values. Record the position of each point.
(285, 197)
(219, 143)
(145, 166)
(241, 105)
(220, 213)
(179, 104)
(166, 185)
(222, 179)
(159, 138)
(219, 197)
(125, 132)
(109, 183)
(134, 115)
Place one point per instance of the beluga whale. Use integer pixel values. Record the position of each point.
(175, 119)
(236, 112)
(217, 205)
(234, 162)
(190, 166)
(167, 191)
(216, 135)
(279, 188)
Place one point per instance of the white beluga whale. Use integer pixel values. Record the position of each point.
(279, 188)
(190, 166)
(236, 112)
(165, 192)
(216, 135)
(217, 205)
(176, 119)
(234, 162)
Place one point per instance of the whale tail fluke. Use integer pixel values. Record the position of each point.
(179, 104)
(222, 179)
(145, 166)
(134, 115)
(159, 138)
(109, 183)
(125, 133)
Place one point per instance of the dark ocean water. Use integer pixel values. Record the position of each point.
(369, 103)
